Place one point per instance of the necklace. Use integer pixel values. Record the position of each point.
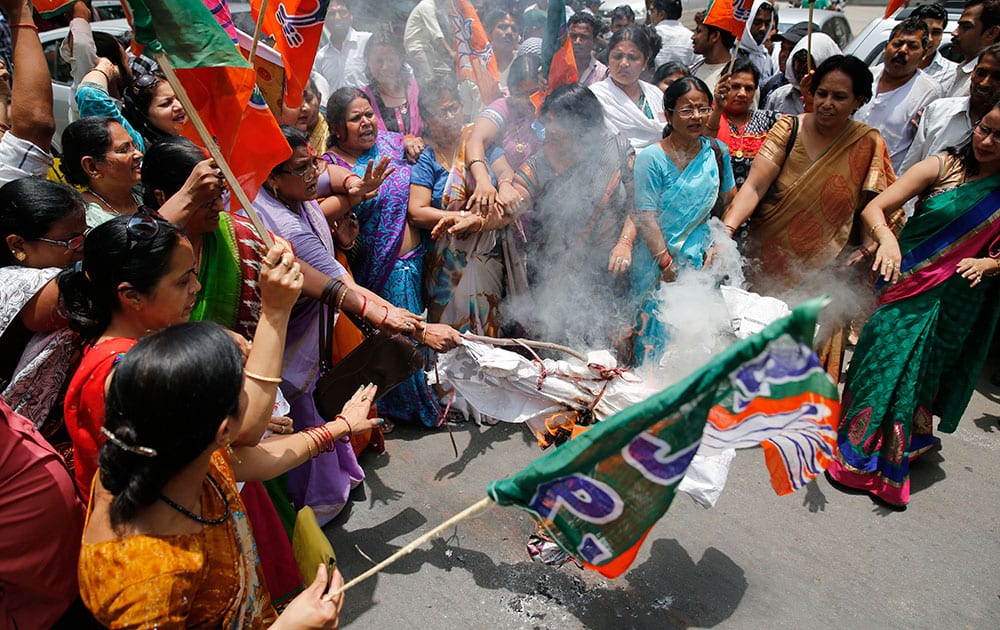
(201, 519)
(105, 202)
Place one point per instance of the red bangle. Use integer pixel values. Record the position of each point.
(25, 25)
(327, 437)
(364, 305)
(344, 418)
(384, 319)
(347, 177)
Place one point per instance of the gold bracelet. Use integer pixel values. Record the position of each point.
(262, 379)
(626, 239)
(872, 232)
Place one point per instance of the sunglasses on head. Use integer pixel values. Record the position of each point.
(142, 227)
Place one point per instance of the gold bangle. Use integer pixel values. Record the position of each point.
(626, 239)
(875, 227)
(482, 224)
(262, 379)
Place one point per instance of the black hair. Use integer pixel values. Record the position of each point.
(679, 88)
(574, 106)
(88, 293)
(965, 153)
(295, 138)
(432, 95)
(89, 136)
(993, 50)
(494, 16)
(137, 101)
(671, 7)
(668, 69)
(911, 26)
(588, 19)
(524, 68)
(166, 166)
(386, 39)
(991, 11)
(169, 393)
(727, 38)
(336, 108)
(108, 46)
(931, 11)
(639, 35)
(861, 77)
(745, 65)
(28, 208)
(623, 11)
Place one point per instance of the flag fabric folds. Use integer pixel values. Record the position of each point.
(891, 8)
(219, 82)
(599, 494)
(474, 58)
(296, 26)
(558, 62)
(729, 15)
(51, 8)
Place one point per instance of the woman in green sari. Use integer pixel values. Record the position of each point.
(921, 352)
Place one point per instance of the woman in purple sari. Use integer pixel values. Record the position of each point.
(391, 257)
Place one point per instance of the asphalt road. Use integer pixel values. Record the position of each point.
(816, 559)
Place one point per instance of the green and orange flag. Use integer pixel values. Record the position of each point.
(599, 494)
(558, 62)
(219, 82)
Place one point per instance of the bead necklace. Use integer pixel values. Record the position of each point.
(201, 519)
(105, 202)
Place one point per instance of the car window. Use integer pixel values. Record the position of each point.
(58, 69)
(109, 12)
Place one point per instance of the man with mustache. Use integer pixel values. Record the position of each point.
(902, 90)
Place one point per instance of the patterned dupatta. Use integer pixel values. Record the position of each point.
(416, 126)
(958, 223)
(382, 219)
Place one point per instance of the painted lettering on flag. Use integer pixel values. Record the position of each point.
(474, 59)
(296, 27)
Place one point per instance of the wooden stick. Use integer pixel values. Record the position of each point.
(527, 342)
(256, 32)
(809, 35)
(213, 147)
(468, 512)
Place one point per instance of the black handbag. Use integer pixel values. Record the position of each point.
(382, 359)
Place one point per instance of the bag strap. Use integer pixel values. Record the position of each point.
(792, 136)
(717, 150)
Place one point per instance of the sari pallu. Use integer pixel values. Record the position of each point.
(808, 217)
(922, 350)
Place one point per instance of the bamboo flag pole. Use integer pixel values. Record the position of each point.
(809, 35)
(212, 146)
(468, 512)
(256, 31)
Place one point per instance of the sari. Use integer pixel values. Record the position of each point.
(807, 219)
(230, 296)
(922, 350)
(210, 579)
(575, 221)
(682, 203)
(642, 124)
(381, 268)
(463, 277)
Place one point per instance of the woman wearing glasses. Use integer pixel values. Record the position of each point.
(922, 350)
(42, 224)
(138, 275)
(678, 182)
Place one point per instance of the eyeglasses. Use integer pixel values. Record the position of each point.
(141, 227)
(691, 112)
(307, 173)
(73, 243)
(126, 149)
(985, 132)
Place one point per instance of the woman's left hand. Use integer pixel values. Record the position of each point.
(413, 146)
(459, 226)
(887, 257)
(973, 269)
(375, 175)
(620, 259)
(439, 337)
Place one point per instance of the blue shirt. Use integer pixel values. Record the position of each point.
(427, 172)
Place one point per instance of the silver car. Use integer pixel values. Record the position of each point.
(832, 23)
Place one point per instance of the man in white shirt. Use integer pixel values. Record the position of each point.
(583, 31)
(901, 91)
(341, 62)
(675, 37)
(978, 27)
(947, 122)
(431, 56)
(592, 7)
(713, 44)
(934, 64)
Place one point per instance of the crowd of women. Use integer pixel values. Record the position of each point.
(154, 343)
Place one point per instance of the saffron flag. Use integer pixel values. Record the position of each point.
(474, 58)
(729, 15)
(296, 27)
(599, 494)
(51, 8)
(892, 7)
(218, 81)
(558, 62)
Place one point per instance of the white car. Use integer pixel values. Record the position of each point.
(869, 44)
(832, 23)
(59, 70)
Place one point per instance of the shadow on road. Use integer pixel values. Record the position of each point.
(988, 423)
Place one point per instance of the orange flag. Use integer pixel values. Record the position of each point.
(474, 58)
(891, 8)
(296, 26)
(729, 15)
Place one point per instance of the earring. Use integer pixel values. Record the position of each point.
(20, 256)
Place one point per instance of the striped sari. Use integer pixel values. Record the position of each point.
(921, 352)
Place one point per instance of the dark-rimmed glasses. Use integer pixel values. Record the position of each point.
(308, 173)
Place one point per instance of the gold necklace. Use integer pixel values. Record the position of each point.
(105, 202)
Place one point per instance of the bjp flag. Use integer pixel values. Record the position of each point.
(296, 27)
(474, 58)
(729, 15)
(51, 8)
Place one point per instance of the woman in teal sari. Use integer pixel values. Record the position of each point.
(920, 354)
(678, 182)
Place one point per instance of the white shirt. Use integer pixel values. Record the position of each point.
(344, 66)
(710, 73)
(941, 70)
(422, 28)
(945, 123)
(21, 158)
(594, 72)
(963, 74)
(676, 40)
(894, 112)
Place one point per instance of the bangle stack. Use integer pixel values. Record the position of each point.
(626, 239)
(663, 259)
(319, 439)
(730, 229)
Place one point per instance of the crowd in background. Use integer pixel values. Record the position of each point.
(159, 360)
